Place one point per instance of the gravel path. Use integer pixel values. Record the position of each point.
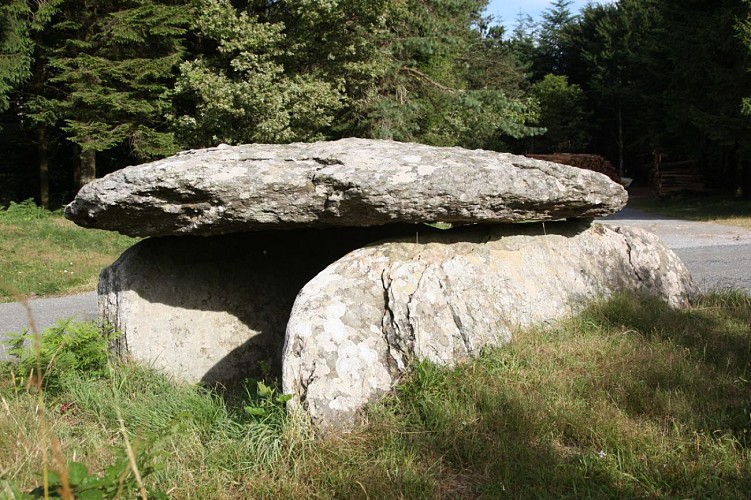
(717, 256)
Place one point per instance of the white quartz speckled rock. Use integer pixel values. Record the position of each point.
(355, 327)
(351, 182)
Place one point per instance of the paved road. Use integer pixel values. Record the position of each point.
(14, 316)
(717, 256)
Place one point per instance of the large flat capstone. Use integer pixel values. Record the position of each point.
(351, 182)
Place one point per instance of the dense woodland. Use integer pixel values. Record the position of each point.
(90, 86)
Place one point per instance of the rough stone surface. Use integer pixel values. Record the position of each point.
(355, 327)
(211, 309)
(351, 182)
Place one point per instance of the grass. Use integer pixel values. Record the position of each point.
(724, 210)
(45, 254)
(629, 400)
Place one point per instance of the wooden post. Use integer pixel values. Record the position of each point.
(86, 168)
(44, 167)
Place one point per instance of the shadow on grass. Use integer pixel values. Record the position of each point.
(723, 341)
(632, 399)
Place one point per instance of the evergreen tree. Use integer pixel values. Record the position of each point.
(22, 25)
(552, 43)
(616, 65)
(241, 88)
(523, 41)
(19, 20)
(15, 48)
(108, 71)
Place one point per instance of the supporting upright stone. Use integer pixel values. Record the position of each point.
(356, 326)
(212, 309)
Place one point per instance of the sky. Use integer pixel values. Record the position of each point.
(508, 10)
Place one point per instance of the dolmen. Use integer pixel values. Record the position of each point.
(330, 263)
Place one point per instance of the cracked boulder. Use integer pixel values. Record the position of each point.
(443, 297)
(351, 182)
(215, 309)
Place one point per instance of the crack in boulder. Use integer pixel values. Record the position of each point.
(629, 251)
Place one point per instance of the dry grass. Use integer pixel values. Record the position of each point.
(629, 400)
(721, 210)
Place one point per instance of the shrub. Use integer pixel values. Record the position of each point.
(66, 348)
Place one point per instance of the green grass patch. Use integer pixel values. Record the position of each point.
(629, 400)
(41, 253)
(725, 210)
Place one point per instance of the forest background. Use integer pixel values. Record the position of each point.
(90, 86)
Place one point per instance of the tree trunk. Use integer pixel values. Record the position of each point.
(739, 177)
(86, 168)
(44, 167)
(620, 144)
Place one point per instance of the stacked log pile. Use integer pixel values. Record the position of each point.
(670, 178)
(595, 163)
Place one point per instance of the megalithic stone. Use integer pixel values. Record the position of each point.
(351, 182)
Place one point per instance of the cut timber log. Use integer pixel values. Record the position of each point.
(671, 178)
(595, 163)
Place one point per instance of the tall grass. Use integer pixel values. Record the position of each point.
(629, 400)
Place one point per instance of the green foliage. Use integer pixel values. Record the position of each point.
(667, 76)
(117, 481)
(242, 90)
(15, 48)
(552, 39)
(25, 211)
(562, 113)
(113, 70)
(19, 20)
(265, 404)
(441, 87)
(64, 349)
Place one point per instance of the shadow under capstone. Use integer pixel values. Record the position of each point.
(215, 309)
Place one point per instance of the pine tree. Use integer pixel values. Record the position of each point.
(552, 43)
(19, 21)
(709, 77)
(110, 67)
(15, 48)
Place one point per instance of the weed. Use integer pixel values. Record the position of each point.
(25, 211)
(67, 348)
(75, 481)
